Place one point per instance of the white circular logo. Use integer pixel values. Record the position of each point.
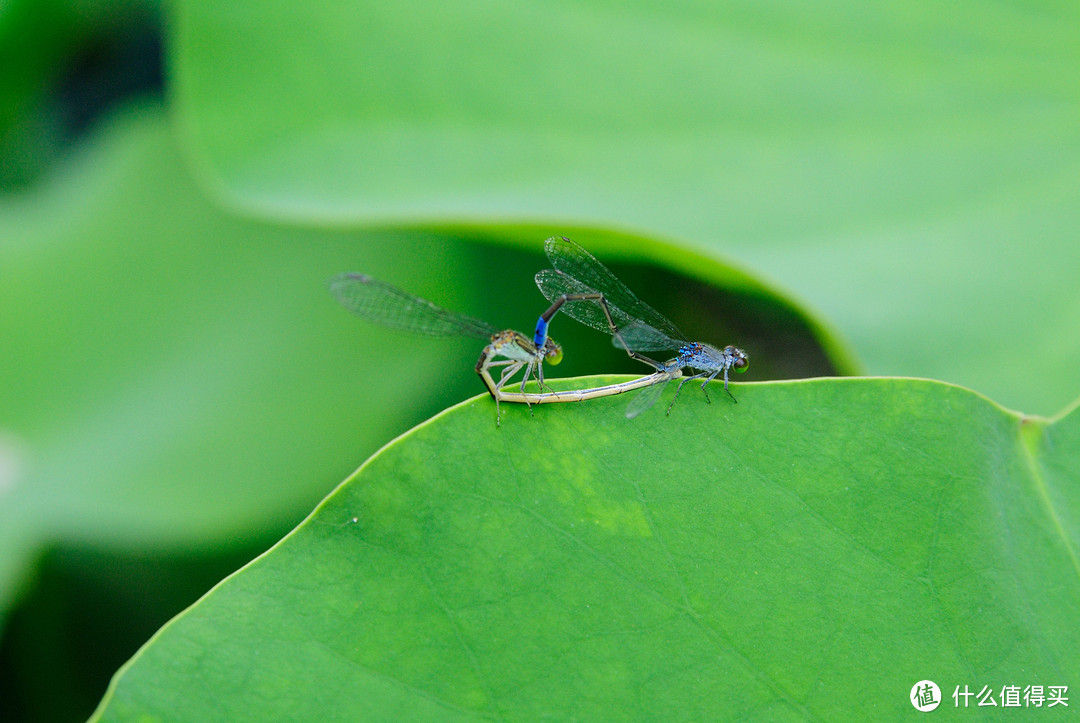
(925, 696)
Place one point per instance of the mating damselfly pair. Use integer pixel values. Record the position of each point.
(579, 286)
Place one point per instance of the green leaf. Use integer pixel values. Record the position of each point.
(907, 168)
(809, 553)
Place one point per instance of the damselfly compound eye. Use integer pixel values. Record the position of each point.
(554, 354)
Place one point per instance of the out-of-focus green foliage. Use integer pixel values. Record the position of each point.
(908, 167)
(43, 43)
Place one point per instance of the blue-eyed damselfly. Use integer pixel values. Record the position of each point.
(635, 326)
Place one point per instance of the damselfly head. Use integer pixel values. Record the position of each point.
(741, 363)
(552, 351)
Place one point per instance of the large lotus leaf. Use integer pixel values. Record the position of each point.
(907, 167)
(808, 553)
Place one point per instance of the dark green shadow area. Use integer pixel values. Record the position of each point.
(64, 64)
(86, 611)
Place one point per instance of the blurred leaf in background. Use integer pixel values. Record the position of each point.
(909, 168)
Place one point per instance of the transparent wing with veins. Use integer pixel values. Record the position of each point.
(387, 305)
(574, 261)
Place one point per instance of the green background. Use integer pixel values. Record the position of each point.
(838, 189)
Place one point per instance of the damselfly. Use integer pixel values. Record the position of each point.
(385, 304)
(635, 326)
